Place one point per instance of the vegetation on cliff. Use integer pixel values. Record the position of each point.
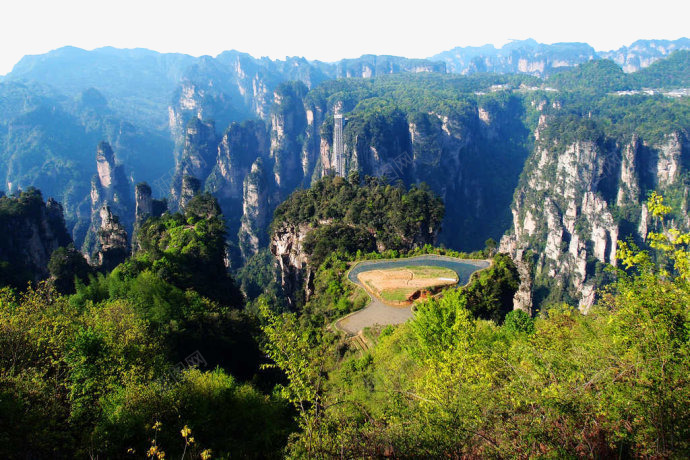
(157, 346)
(188, 250)
(354, 216)
(609, 383)
(136, 360)
(31, 230)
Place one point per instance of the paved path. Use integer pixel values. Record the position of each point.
(377, 312)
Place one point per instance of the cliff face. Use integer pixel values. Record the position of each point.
(109, 188)
(470, 157)
(235, 86)
(239, 148)
(250, 168)
(197, 160)
(288, 125)
(644, 53)
(112, 247)
(257, 204)
(31, 231)
(235, 169)
(575, 200)
(520, 56)
(287, 245)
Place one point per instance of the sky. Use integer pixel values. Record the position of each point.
(328, 30)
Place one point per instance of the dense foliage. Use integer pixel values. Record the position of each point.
(599, 76)
(68, 266)
(31, 229)
(95, 379)
(153, 358)
(672, 72)
(603, 75)
(610, 383)
(353, 216)
(188, 250)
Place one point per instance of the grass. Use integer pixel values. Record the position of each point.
(396, 295)
(428, 271)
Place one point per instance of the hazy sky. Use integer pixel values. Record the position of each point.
(328, 30)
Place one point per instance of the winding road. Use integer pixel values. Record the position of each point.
(377, 312)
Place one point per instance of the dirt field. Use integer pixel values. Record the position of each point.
(406, 284)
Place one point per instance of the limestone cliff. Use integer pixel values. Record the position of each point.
(296, 275)
(31, 231)
(470, 157)
(198, 157)
(189, 188)
(113, 247)
(256, 211)
(241, 146)
(109, 187)
(577, 197)
(288, 125)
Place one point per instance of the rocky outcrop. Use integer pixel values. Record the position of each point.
(256, 211)
(143, 200)
(113, 247)
(564, 227)
(189, 188)
(110, 188)
(644, 53)
(332, 217)
(145, 207)
(287, 245)
(31, 231)
(668, 165)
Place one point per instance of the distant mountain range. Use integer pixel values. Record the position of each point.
(529, 56)
(88, 127)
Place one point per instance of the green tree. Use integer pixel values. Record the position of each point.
(65, 265)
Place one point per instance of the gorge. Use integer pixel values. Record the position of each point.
(497, 148)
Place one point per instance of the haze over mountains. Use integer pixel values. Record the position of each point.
(251, 130)
(529, 56)
(180, 239)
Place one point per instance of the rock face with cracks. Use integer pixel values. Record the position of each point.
(567, 209)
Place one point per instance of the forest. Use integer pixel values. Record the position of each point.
(178, 352)
(165, 357)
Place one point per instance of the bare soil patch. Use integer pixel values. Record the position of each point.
(402, 286)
